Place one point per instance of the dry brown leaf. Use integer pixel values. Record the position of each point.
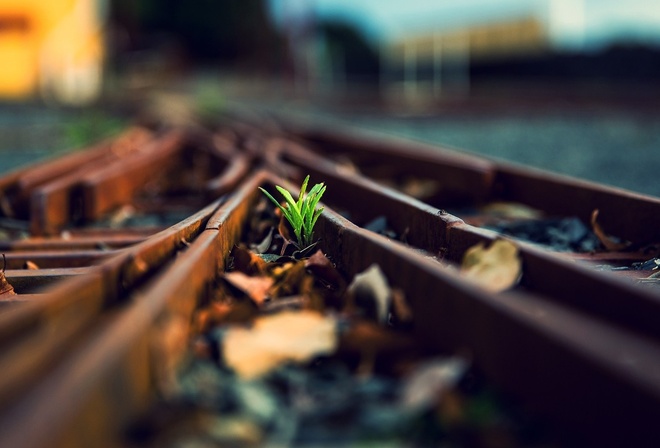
(217, 313)
(400, 307)
(291, 280)
(425, 386)
(255, 287)
(611, 244)
(248, 262)
(370, 292)
(283, 229)
(5, 207)
(296, 336)
(495, 268)
(31, 265)
(5, 288)
(314, 300)
(322, 268)
(120, 216)
(368, 339)
(278, 271)
(346, 166)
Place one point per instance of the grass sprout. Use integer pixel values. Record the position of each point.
(301, 214)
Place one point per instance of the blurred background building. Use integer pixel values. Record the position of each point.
(428, 50)
(63, 50)
(54, 49)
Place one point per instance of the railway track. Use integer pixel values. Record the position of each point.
(111, 250)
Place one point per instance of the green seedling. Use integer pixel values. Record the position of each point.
(301, 214)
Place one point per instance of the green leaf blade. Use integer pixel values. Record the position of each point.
(303, 190)
(302, 214)
(275, 201)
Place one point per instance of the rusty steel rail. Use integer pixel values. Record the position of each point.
(111, 241)
(84, 195)
(631, 216)
(571, 343)
(31, 281)
(448, 237)
(45, 326)
(560, 362)
(140, 344)
(17, 187)
(36, 329)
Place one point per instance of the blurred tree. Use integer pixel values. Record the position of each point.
(237, 32)
(359, 58)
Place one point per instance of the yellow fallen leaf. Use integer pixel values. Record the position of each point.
(495, 268)
(296, 336)
(511, 210)
(370, 292)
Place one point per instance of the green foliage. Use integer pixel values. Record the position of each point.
(301, 214)
(89, 126)
(209, 102)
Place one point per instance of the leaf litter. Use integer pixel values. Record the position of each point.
(272, 340)
(495, 268)
(287, 351)
(610, 242)
(558, 233)
(6, 289)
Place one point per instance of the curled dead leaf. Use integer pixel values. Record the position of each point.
(218, 313)
(346, 166)
(322, 268)
(370, 293)
(610, 243)
(30, 265)
(283, 230)
(5, 287)
(257, 288)
(296, 336)
(495, 268)
(290, 280)
(263, 246)
(369, 338)
(120, 216)
(248, 262)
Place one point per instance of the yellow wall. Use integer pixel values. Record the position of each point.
(53, 48)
